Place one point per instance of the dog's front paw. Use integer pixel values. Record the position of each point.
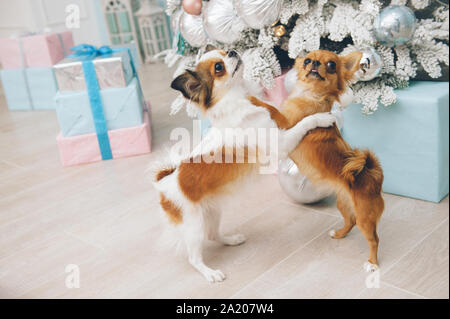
(325, 119)
(369, 267)
(214, 275)
(233, 240)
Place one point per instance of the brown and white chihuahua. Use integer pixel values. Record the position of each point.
(193, 189)
(323, 155)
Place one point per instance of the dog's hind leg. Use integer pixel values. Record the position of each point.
(344, 204)
(212, 217)
(369, 230)
(194, 234)
(368, 212)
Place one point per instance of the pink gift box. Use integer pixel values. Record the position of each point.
(278, 93)
(40, 50)
(124, 142)
(10, 54)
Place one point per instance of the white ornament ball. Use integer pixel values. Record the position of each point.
(175, 20)
(297, 186)
(370, 65)
(258, 13)
(191, 28)
(221, 21)
(394, 26)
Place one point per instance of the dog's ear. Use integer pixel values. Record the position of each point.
(350, 64)
(193, 88)
(210, 47)
(189, 84)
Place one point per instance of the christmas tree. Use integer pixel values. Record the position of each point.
(401, 40)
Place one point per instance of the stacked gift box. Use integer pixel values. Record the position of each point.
(100, 106)
(27, 74)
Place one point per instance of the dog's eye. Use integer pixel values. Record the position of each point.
(307, 61)
(218, 67)
(331, 67)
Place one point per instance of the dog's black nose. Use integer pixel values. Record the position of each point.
(232, 54)
(315, 64)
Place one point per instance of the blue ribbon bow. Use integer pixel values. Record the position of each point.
(90, 51)
(87, 53)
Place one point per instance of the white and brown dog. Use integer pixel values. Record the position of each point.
(191, 189)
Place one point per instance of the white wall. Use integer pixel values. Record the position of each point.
(34, 15)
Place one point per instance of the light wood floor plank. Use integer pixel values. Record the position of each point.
(425, 269)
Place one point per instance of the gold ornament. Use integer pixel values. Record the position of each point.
(279, 31)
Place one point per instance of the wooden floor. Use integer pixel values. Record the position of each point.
(102, 217)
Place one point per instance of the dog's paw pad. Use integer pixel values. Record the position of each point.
(332, 233)
(369, 267)
(214, 275)
(234, 240)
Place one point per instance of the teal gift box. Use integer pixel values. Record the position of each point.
(122, 108)
(410, 138)
(29, 88)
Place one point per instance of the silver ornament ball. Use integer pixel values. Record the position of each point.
(258, 13)
(221, 21)
(370, 65)
(394, 26)
(191, 28)
(297, 186)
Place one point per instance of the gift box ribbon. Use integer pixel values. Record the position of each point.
(87, 53)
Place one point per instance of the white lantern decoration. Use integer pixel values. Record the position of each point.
(153, 27)
(119, 20)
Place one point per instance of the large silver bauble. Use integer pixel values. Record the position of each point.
(370, 65)
(221, 21)
(297, 186)
(394, 26)
(258, 13)
(175, 20)
(191, 28)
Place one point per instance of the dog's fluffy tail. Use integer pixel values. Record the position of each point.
(163, 172)
(160, 170)
(170, 237)
(362, 170)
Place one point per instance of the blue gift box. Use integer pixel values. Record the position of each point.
(122, 108)
(411, 139)
(29, 88)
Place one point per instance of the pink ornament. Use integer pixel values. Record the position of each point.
(193, 7)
